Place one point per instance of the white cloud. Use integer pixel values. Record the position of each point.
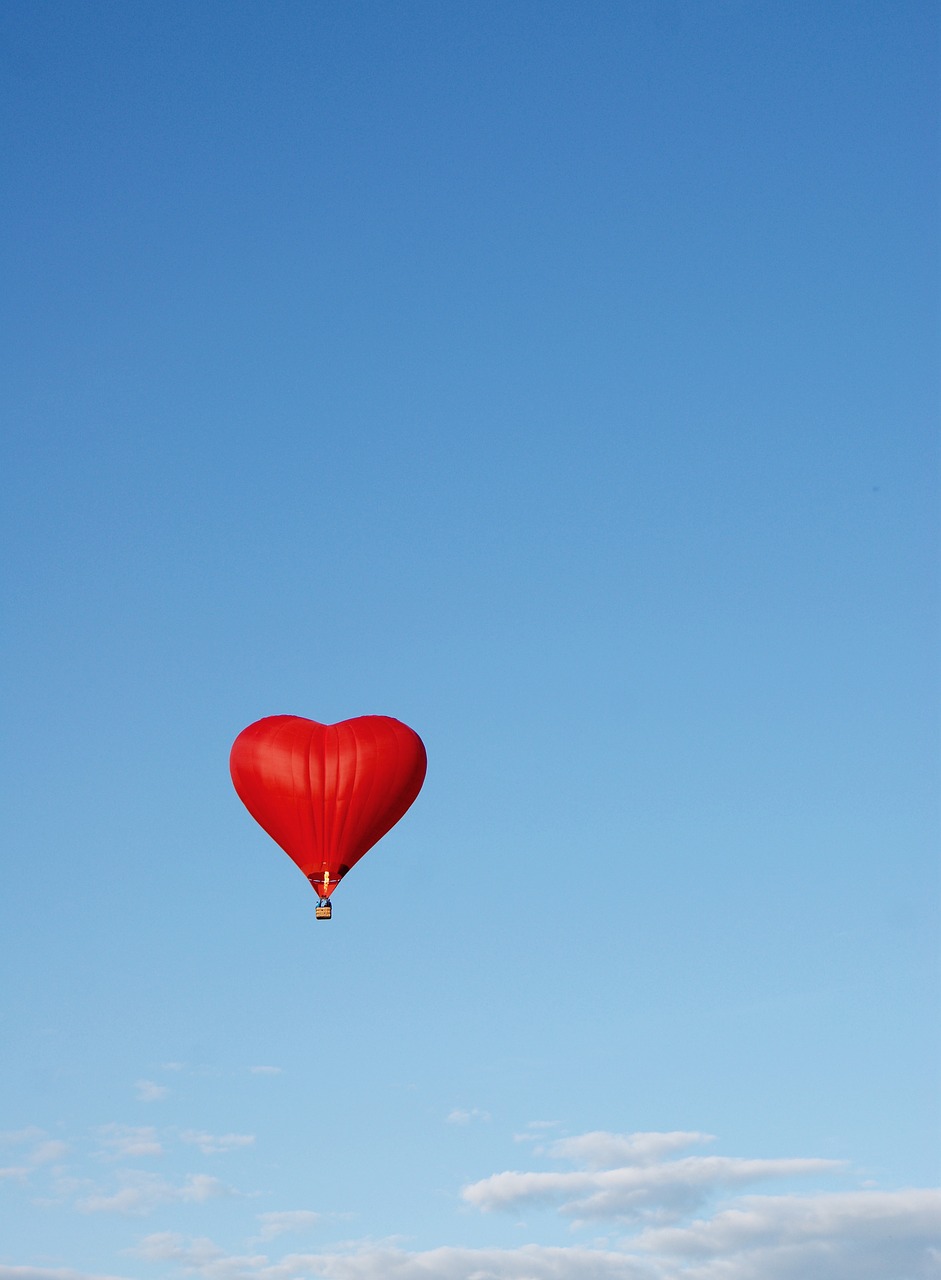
(14, 1137)
(45, 1151)
(633, 1192)
(169, 1246)
(864, 1234)
(288, 1220)
(380, 1262)
(537, 1132)
(643, 1187)
(123, 1141)
(459, 1116)
(50, 1273)
(149, 1091)
(849, 1235)
(202, 1257)
(141, 1193)
(211, 1144)
(601, 1150)
(48, 1152)
(858, 1235)
(266, 1071)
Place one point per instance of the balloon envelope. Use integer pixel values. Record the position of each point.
(327, 792)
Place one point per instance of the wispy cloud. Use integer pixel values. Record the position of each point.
(458, 1116)
(856, 1235)
(266, 1071)
(50, 1273)
(13, 1137)
(124, 1142)
(45, 1150)
(288, 1220)
(599, 1150)
(663, 1192)
(646, 1188)
(671, 1217)
(149, 1091)
(201, 1257)
(850, 1235)
(48, 1152)
(211, 1144)
(141, 1193)
(536, 1129)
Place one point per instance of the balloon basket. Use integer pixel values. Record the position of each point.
(324, 912)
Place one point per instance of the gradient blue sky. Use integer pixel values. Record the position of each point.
(562, 380)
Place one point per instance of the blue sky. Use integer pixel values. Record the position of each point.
(561, 380)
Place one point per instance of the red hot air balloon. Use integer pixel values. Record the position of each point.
(327, 792)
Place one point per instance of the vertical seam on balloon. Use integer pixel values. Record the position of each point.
(329, 851)
(365, 804)
(280, 730)
(315, 833)
(349, 803)
(323, 796)
(322, 765)
(299, 790)
(330, 803)
(298, 816)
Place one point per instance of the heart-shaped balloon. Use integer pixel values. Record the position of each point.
(327, 792)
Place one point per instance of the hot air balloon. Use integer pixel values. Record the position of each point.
(327, 792)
